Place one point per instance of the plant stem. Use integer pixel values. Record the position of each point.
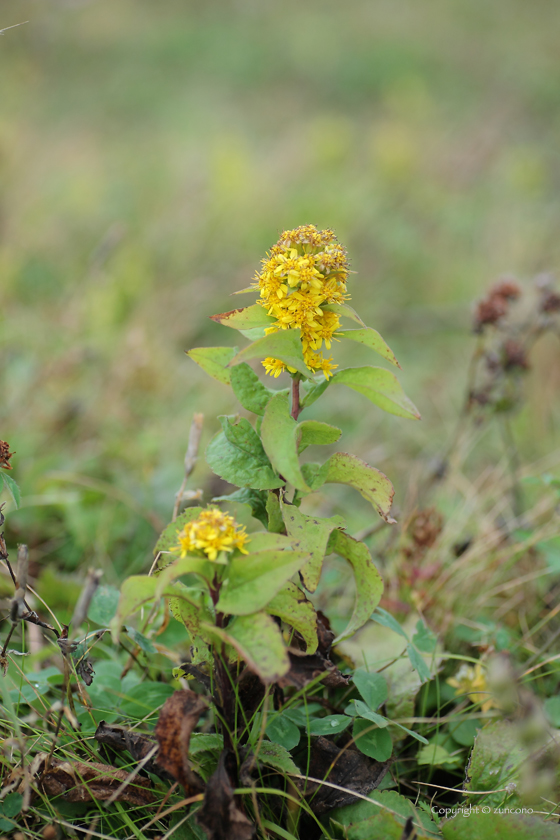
(296, 408)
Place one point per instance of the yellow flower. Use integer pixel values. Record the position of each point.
(211, 532)
(305, 271)
(471, 681)
(274, 367)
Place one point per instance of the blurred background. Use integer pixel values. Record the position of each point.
(150, 153)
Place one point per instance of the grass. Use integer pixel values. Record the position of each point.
(149, 156)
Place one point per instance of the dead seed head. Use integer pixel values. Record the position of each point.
(507, 289)
(496, 304)
(514, 355)
(550, 302)
(426, 527)
(5, 455)
(489, 311)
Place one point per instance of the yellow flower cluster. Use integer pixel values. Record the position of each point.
(306, 270)
(211, 532)
(471, 681)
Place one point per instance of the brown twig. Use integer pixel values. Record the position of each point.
(191, 456)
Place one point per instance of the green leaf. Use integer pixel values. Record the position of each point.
(249, 389)
(246, 318)
(12, 803)
(314, 474)
(302, 715)
(103, 605)
(214, 361)
(255, 499)
(371, 338)
(371, 483)
(187, 606)
(490, 826)
(142, 641)
(409, 732)
(552, 711)
(284, 345)
(418, 663)
(315, 433)
(145, 698)
(344, 310)
(12, 488)
(291, 605)
(138, 590)
(258, 640)
(384, 618)
(495, 762)
(330, 725)
(313, 390)
(363, 711)
(465, 731)
(376, 743)
(384, 819)
(205, 742)
(169, 537)
(435, 755)
(283, 732)
(253, 580)
(267, 541)
(372, 687)
(424, 639)
(275, 522)
(189, 565)
(380, 386)
(276, 756)
(279, 433)
(312, 535)
(237, 455)
(369, 585)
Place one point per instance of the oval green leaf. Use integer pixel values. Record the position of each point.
(258, 640)
(247, 318)
(371, 483)
(279, 433)
(237, 455)
(369, 585)
(284, 345)
(381, 387)
(371, 338)
(253, 580)
(214, 361)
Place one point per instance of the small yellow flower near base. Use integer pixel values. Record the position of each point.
(471, 681)
(211, 532)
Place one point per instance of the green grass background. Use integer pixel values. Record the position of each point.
(150, 152)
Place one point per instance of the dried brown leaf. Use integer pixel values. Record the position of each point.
(304, 669)
(344, 767)
(119, 738)
(176, 722)
(220, 815)
(79, 781)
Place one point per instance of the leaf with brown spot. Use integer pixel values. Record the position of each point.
(246, 318)
(346, 768)
(177, 719)
(79, 781)
(220, 816)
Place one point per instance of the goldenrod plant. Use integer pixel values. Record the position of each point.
(245, 598)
